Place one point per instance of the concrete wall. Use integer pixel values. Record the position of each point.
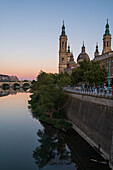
(92, 118)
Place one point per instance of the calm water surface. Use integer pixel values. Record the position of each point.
(26, 144)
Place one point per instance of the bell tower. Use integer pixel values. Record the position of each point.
(96, 54)
(106, 40)
(63, 55)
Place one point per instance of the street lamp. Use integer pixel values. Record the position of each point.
(109, 77)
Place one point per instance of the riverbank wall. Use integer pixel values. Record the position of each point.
(92, 118)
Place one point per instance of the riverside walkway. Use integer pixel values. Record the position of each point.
(95, 92)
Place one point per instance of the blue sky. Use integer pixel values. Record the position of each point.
(30, 29)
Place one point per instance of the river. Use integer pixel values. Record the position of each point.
(27, 144)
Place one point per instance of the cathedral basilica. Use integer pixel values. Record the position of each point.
(66, 58)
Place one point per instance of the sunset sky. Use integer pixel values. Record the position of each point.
(30, 29)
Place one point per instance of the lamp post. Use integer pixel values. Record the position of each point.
(109, 77)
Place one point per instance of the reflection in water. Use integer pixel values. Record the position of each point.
(58, 148)
(52, 149)
(83, 153)
(55, 150)
(13, 91)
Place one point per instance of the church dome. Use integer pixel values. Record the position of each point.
(83, 55)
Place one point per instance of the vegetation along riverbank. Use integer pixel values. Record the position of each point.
(48, 99)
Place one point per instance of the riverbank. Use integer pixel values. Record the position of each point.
(92, 119)
(56, 123)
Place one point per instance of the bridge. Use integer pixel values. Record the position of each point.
(14, 84)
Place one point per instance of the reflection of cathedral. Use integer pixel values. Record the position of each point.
(66, 58)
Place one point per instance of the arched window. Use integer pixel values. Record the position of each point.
(62, 44)
(62, 60)
(107, 43)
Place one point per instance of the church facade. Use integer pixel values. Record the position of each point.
(106, 57)
(66, 58)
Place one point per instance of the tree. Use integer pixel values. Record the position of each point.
(52, 149)
(48, 94)
(89, 72)
(63, 79)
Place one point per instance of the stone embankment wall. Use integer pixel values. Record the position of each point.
(92, 118)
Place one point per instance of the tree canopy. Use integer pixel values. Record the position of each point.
(89, 72)
(48, 94)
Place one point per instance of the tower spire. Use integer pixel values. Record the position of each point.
(63, 53)
(96, 48)
(83, 48)
(96, 51)
(83, 43)
(63, 29)
(68, 48)
(106, 40)
(107, 28)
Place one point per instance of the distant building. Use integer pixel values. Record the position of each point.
(6, 78)
(13, 78)
(107, 54)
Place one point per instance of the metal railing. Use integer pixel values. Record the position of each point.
(95, 92)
